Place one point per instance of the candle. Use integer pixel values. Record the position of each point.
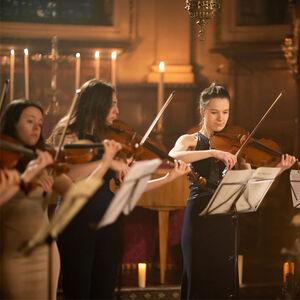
(160, 95)
(113, 67)
(26, 73)
(97, 64)
(285, 271)
(240, 268)
(142, 274)
(292, 268)
(288, 269)
(77, 71)
(12, 73)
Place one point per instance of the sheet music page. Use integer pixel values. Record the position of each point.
(130, 191)
(257, 187)
(295, 187)
(227, 191)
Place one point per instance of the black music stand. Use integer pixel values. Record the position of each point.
(240, 191)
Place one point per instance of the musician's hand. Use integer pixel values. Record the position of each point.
(9, 178)
(227, 158)
(111, 148)
(120, 168)
(35, 166)
(9, 182)
(46, 182)
(180, 168)
(286, 162)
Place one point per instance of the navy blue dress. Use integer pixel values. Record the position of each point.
(90, 258)
(208, 241)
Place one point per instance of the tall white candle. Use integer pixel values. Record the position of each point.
(77, 71)
(142, 275)
(113, 67)
(12, 74)
(26, 73)
(97, 65)
(160, 95)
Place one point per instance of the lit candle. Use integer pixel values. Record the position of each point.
(26, 73)
(113, 67)
(292, 268)
(142, 274)
(12, 73)
(160, 95)
(77, 71)
(286, 270)
(97, 64)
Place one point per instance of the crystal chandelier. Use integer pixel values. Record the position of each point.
(202, 11)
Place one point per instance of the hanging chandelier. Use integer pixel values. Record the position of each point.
(202, 11)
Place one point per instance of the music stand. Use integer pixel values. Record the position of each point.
(130, 191)
(240, 191)
(295, 188)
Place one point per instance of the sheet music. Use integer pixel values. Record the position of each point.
(131, 189)
(249, 186)
(257, 187)
(295, 187)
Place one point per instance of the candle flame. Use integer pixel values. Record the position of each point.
(114, 55)
(97, 54)
(78, 55)
(12, 52)
(161, 66)
(26, 51)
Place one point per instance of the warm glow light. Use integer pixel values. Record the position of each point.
(78, 55)
(78, 91)
(161, 66)
(26, 51)
(114, 55)
(97, 54)
(12, 52)
(142, 274)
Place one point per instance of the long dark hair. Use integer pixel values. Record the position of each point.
(91, 109)
(11, 117)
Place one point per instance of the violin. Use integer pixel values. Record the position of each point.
(257, 152)
(11, 151)
(130, 140)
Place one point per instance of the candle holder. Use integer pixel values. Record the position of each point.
(202, 11)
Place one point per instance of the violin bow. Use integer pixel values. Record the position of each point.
(3, 94)
(63, 135)
(258, 124)
(146, 135)
(61, 140)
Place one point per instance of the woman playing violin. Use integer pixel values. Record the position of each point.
(208, 242)
(89, 259)
(25, 277)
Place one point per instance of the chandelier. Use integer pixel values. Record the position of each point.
(202, 11)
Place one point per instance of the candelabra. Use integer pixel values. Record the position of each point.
(202, 11)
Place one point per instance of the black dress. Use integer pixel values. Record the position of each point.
(89, 258)
(207, 241)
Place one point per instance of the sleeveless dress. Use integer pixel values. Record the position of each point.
(90, 258)
(25, 276)
(207, 241)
